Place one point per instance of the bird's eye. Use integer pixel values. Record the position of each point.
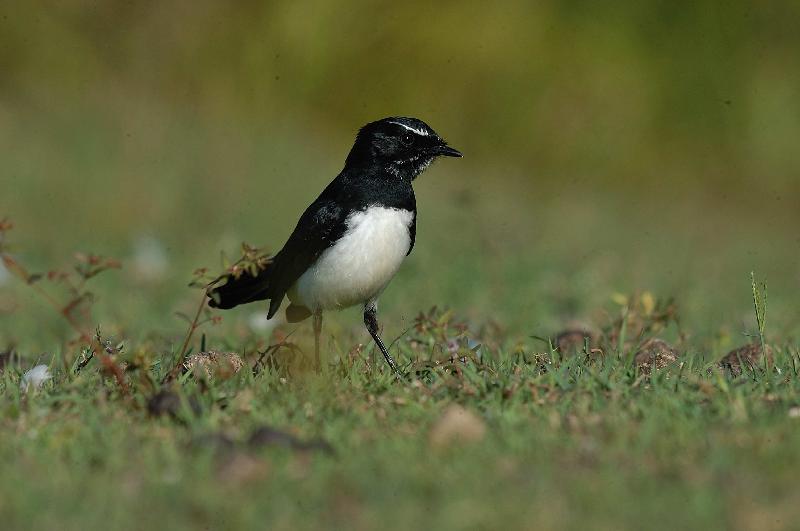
(407, 139)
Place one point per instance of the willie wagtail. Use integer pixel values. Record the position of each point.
(351, 241)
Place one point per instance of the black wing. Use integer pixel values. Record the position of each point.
(320, 226)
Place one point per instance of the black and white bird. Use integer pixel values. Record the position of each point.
(351, 241)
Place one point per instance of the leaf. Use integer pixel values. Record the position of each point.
(620, 299)
(648, 303)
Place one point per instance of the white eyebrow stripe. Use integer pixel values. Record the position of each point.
(420, 132)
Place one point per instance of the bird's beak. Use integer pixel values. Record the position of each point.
(446, 151)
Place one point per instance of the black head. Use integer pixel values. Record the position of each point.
(403, 146)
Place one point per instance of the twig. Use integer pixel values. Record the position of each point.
(395, 340)
(113, 368)
(189, 333)
(260, 361)
(108, 363)
(64, 311)
(271, 349)
(21, 273)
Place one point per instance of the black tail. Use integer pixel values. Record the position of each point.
(246, 288)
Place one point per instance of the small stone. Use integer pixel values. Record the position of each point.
(457, 425)
(655, 354)
(750, 355)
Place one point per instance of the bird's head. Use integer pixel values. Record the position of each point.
(403, 146)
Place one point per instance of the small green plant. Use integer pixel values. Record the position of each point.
(760, 305)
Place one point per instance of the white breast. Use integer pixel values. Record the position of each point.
(360, 264)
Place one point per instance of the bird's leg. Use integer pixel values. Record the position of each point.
(371, 322)
(317, 331)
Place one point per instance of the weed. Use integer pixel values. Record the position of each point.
(75, 305)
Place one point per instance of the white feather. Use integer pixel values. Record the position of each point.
(35, 377)
(359, 265)
(420, 132)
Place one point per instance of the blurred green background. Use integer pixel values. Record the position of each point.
(608, 148)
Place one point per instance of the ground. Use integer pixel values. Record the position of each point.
(492, 428)
(485, 439)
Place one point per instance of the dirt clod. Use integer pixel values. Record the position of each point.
(749, 356)
(215, 364)
(655, 354)
(573, 341)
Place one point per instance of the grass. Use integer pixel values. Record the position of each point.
(616, 159)
(544, 439)
(566, 445)
(489, 432)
